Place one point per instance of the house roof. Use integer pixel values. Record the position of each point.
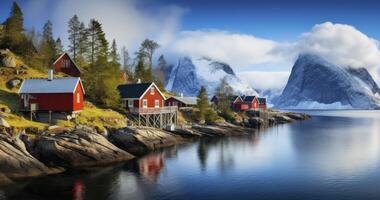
(136, 90)
(186, 100)
(248, 99)
(65, 53)
(262, 100)
(57, 85)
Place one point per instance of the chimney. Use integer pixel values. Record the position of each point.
(50, 75)
(181, 94)
(138, 80)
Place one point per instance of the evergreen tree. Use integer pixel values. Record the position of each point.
(103, 77)
(127, 67)
(224, 91)
(159, 73)
(147, 49)
(74, 35)
(140, 68)
(82, 45)
(202, 103)
(97, 43)
(47, 47)
(59, 46)
(14, 30)
(114, 55)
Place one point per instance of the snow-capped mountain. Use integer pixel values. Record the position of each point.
(315, 83)
(189, 75)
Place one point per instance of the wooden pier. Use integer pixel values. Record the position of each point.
(161, 118)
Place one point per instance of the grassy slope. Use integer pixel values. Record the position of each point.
(91, 115)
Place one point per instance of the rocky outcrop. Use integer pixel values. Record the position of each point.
(80, 147)
(7, 59)
(142, 140)
(4, 123)
(14, 83)
(16, 162)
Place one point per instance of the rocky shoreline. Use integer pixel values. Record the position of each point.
(26, 155)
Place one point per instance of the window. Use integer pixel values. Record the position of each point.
(145, 103)
(130, 103)
(78, 98)
(124, 102)
(156, 103)
(152, 90)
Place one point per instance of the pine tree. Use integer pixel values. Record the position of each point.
(127, 67)
(97, 43)
(59, 47)
(224, 91)
(103, 76)
(202, 103)
(82, 45)
(147, 49)
(74, 34)
(140, 68)
(14, 30)
(114, 55)
(48, 47)
(160, 75)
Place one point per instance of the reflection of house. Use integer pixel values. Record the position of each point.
(66, 65)
(56, 95)
(151, 166)
(181, 102)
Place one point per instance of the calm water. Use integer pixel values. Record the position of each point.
(333, 156)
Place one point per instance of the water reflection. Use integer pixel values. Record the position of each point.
(328, 157)
(353, 146)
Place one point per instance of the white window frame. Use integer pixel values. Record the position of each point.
(130, 103)
(145, 103)
(78, 97)
(152, 90)
(156, 103)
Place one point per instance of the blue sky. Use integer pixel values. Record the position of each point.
(275, 19)
(252, 36)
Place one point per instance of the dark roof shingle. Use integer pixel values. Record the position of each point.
(248, 99)
(133, 90)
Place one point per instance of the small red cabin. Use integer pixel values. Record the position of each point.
(181, 102)
(139, 96)
(66, 65)
(56, 95)
(240, 103)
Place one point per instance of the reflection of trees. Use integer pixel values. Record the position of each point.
(226, 158)
(202, 154)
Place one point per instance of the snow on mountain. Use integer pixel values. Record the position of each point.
(315, 83)
(190, 74)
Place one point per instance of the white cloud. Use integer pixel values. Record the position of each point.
(340, 44)
(128, 21)
(265, 80)
(239, 50)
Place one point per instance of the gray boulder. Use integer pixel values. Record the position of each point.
(14, 83)
(16, 162)
(81, 147)
(4, 123)
(141, 140)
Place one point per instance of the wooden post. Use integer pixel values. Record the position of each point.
(49, 116)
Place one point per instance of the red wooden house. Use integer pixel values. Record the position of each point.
(240, 103)
(56, 95)
(66, 65)
(138, 97)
